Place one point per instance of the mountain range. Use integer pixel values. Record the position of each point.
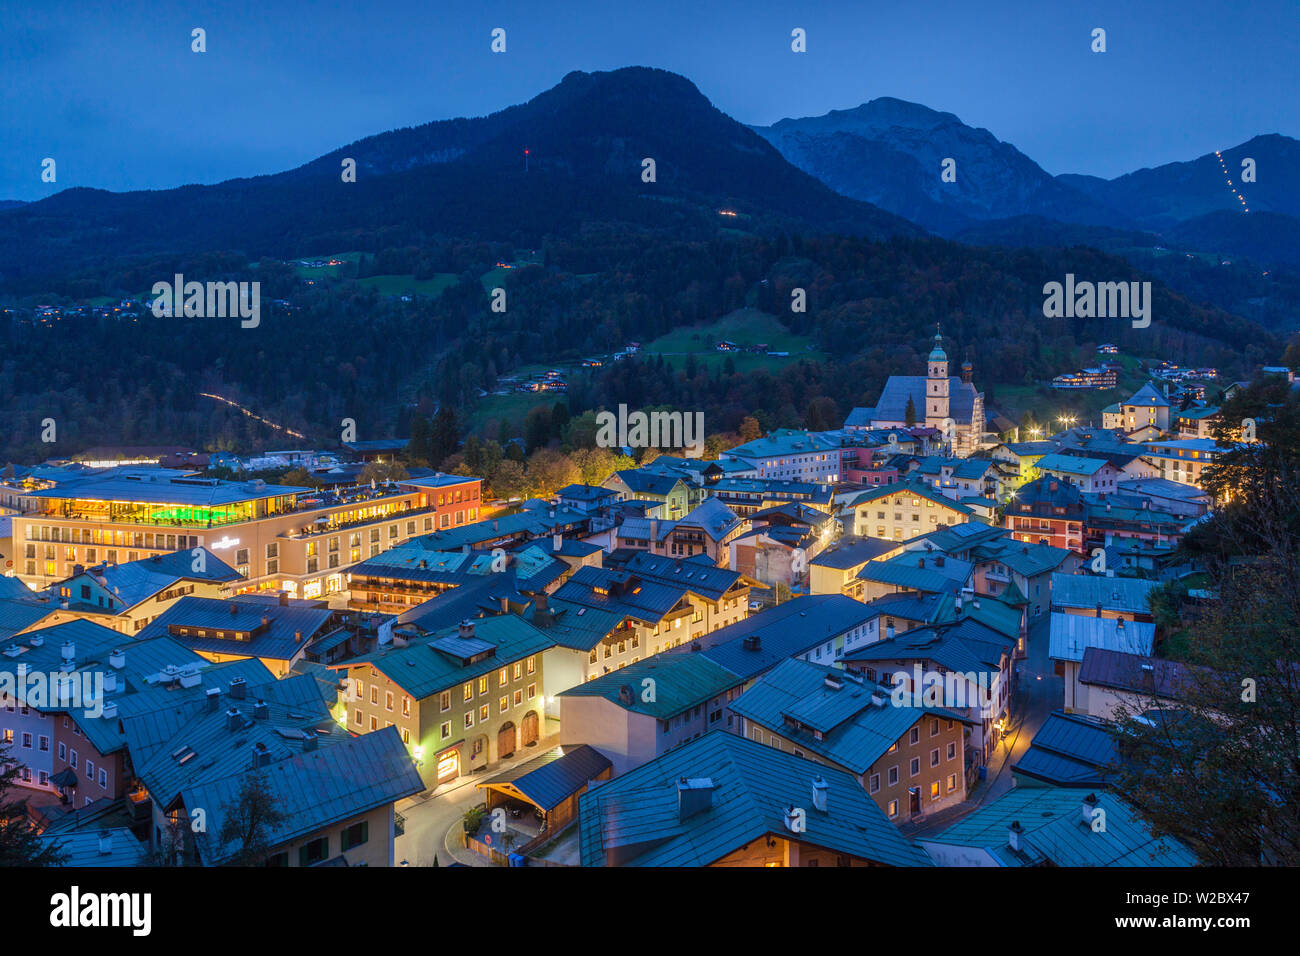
(890, 152)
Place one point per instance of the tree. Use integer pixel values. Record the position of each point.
(444, 436)
(909, 413)
(1220, 771)
(249, 822)
(550, 470)
(19, 843)
(509, 480)
(750, 429)
(300, 476)
(381, 471)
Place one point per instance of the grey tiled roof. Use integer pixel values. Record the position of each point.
(637, 814)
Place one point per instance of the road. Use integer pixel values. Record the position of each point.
(1038, 692)
(433, 817)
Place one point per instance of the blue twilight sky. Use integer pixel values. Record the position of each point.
(114, 94)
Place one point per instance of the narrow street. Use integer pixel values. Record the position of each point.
(1038, 692)
(433, 818)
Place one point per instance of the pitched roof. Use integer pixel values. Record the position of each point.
(556, 775)
(892, 406)
(1148, 396)
(636, 816)
(1073, 634)
(277, 631)
(795, 627)
(1128, 595)
(195, 742)
(1055, 832)
(846, 555)
(856, 720)
(1069, 750)
(1117, 670)
(444, 659)
(661, 686)
(313, 789)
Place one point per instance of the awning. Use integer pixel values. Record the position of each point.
(65, 778)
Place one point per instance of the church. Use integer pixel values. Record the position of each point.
(935, 397)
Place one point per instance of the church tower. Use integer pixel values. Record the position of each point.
(936, 383)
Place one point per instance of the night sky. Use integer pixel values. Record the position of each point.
(114, 94)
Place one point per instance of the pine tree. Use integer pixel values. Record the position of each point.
(19, 843)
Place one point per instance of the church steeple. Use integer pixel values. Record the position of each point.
(936, 385)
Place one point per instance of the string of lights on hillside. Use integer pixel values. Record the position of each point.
(1240, 198)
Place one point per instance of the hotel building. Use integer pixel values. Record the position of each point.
(279, 537)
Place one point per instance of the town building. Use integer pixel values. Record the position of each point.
(724, 800)
(911, 760)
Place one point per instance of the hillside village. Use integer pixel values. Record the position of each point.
(902, 642)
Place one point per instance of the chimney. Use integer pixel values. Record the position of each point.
(234, 719)
(889, 632)
(1089, 805)
(238, 687)
(261, 755)
(957, 602)
(110, 709)
(694, 796)
(540, 602)
(234, 609)
(790, 819)
(261, 710)
(284, 599)
(213, 695)
(69, 651)
(557, 542)
(1119, 624)
(117, 659)
(110, 682)
(752, 643)
(309, 742)
(105, 843)
(820, 791)
(1013, 835)
(297, 637)
(1099, 609)
(466, 628)
(625, 696)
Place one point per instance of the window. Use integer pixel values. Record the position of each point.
(469, 719)
(313, 852)
(63, 750)
(103, 778)
(469, 691)
(934, 757)
(934, 789)
(388, 701)
(934, 728)
(374, 697)
(355, 835)
(519, 670)
(893, 776)
(406, 704)
(875, 783)
(356, 718)
(952, 782)
(893, 809)
(483, 712)
(532, 661)
(482, 685)
(532, 691)
(916, 766)
(503, 676)
(915, 736)
(503, 704)
(952, 750)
